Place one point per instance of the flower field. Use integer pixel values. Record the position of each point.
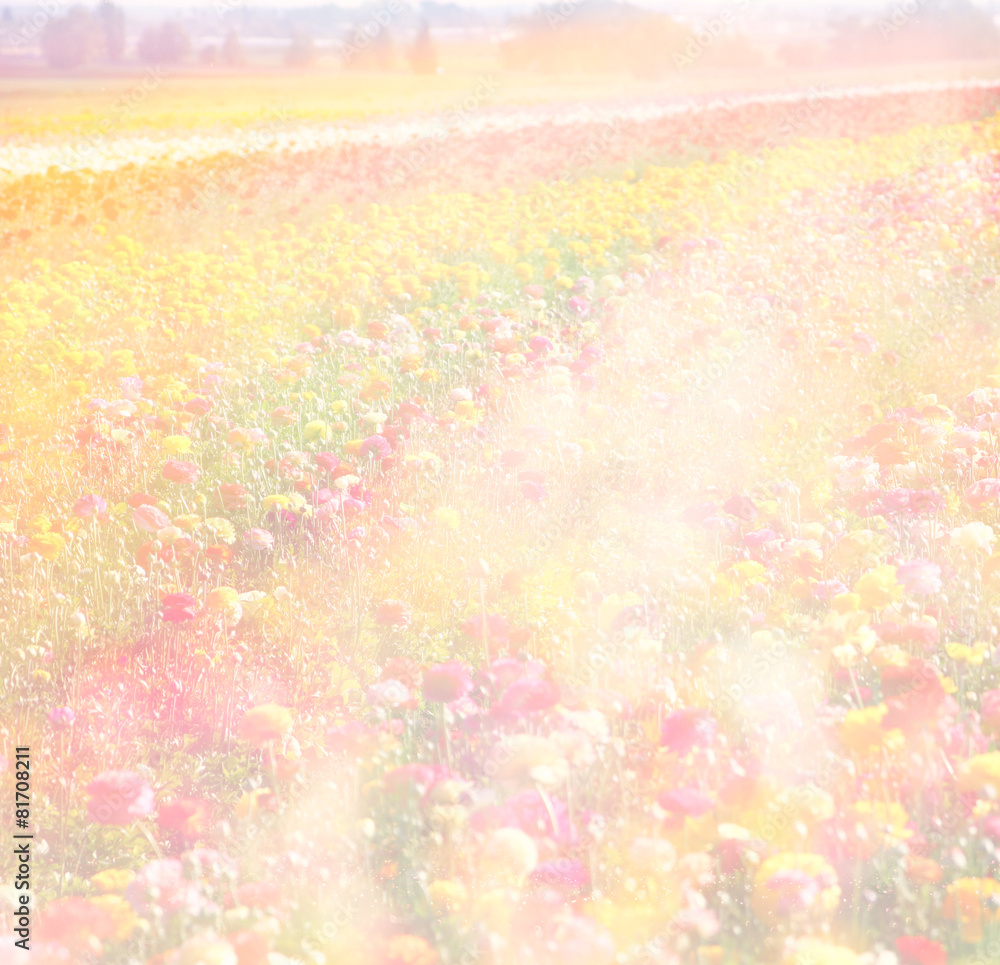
(563, 537)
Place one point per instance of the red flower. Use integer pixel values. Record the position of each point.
(251, 947)
(259, 894)
(74, 923)
(392, 613)
(183, 473)
(218, 553)
(917, 950)
(233, 496)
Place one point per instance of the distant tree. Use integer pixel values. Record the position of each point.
(423, 55)
(209, 56)
(111, 19)
(166, 44)
(232, 50)
(72, 41)
(301, 51)
(383, 50)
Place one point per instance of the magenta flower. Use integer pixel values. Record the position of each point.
(375, 446)
(119, 797)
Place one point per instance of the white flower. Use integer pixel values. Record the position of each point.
(973, 537)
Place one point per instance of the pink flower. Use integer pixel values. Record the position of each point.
(566, 875)
(686, 801)
(982, 493)
(89, 505)
(919, 576)
(258, 539)
(162, 884)
(178, 607)
(989, 709)
(445, 682)
(62, 717)
(181, 472)
(419, 778)
(683, 730)
(150, 519)
(497, 629)
(530, 695)
(119, 797)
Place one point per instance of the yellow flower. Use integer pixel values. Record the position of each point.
(981, 772)
(265, 723)
(812, 951)
(886, 822)
(878, 588)
(112, 879)
(447, 896)
(47, 545)
(447, 518)
(222, 528)
(222, 598)
(778, 886)
(188, 522)
(205, 951)
(176, 445)
(861, 730)
(316, 431)
(123, 919)
(963, 653)
(856, 546)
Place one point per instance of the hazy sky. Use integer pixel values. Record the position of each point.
(710, 6)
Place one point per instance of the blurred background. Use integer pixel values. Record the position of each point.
(335, 59)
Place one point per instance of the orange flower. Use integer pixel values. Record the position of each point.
(47, 545)
(965, 901)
